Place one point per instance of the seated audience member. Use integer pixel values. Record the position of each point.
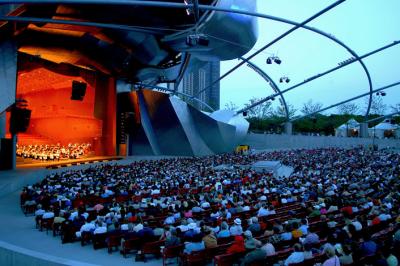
(268, 248)
(224, 231)
(171, 238)
(368, 247)
(209, 239)
(236, 228)
(311, 238)
(250, 242)
(195, 244)
(237, 245)
(332, 260)
(287, 235)
(254, 226)
(297, 256)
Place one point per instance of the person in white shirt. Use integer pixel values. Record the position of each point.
(296, 257)
(39, 211)
(269, 249)
(100, 230)
(236, 229)
(48, 215)
(87, 227)
(263, 211)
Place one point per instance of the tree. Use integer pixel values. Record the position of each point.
(260, 111)
(280, 111)
(310, 107)
(348, 109)
(395, 108)
(377, 105)
(231, 106)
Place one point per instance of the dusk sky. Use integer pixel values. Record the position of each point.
(363, 25)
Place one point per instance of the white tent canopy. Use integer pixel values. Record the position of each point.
(379, 130)
(341, 131)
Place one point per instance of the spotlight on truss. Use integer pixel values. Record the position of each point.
(197, 39)
(274, 59)
(284, 79)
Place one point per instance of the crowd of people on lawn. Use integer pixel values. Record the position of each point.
(51, 152)
(341, 204)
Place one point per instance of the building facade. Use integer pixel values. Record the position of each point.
(199, 76)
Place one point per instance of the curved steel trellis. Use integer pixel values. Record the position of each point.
(323, 74)
(346, 101)
(154, 87)
(270, 81)
(206, 7)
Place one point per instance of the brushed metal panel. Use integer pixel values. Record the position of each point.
(184, 113)
(8, 74)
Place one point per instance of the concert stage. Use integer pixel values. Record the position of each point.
(30, 163)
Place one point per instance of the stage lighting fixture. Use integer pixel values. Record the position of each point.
(383, 93)
(277, 60)
(287, 80)
(281, 80)
(244, 113)
(269, 61)
(197, 39)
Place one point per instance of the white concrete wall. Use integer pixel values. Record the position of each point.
(274, 141)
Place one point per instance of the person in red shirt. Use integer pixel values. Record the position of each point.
(237, 246)
(348, 210)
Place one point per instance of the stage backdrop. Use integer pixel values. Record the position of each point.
(56, 118)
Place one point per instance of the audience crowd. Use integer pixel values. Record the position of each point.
(339, 205)
(54, 151)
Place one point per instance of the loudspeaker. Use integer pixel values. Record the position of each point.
(19, 120)
(78, 90)
(130, 122)
(6, 154)
(244, 113)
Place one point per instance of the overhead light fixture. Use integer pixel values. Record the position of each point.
(275, 59)
(284, 79)
(197, 39)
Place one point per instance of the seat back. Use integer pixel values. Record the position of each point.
(153, 247)
(173, 251)
(196, 258)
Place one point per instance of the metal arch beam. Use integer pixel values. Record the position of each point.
(206, 7)
(201, 7)
(321, 74)
(383, 116)
(270, 81)
(346, 101)
(154, 87)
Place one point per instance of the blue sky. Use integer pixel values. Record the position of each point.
(363, 25)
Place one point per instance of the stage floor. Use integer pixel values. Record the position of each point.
(30, 163)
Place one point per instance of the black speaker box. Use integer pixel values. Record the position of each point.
(19, 120)
(78, 90)
(6, 154)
